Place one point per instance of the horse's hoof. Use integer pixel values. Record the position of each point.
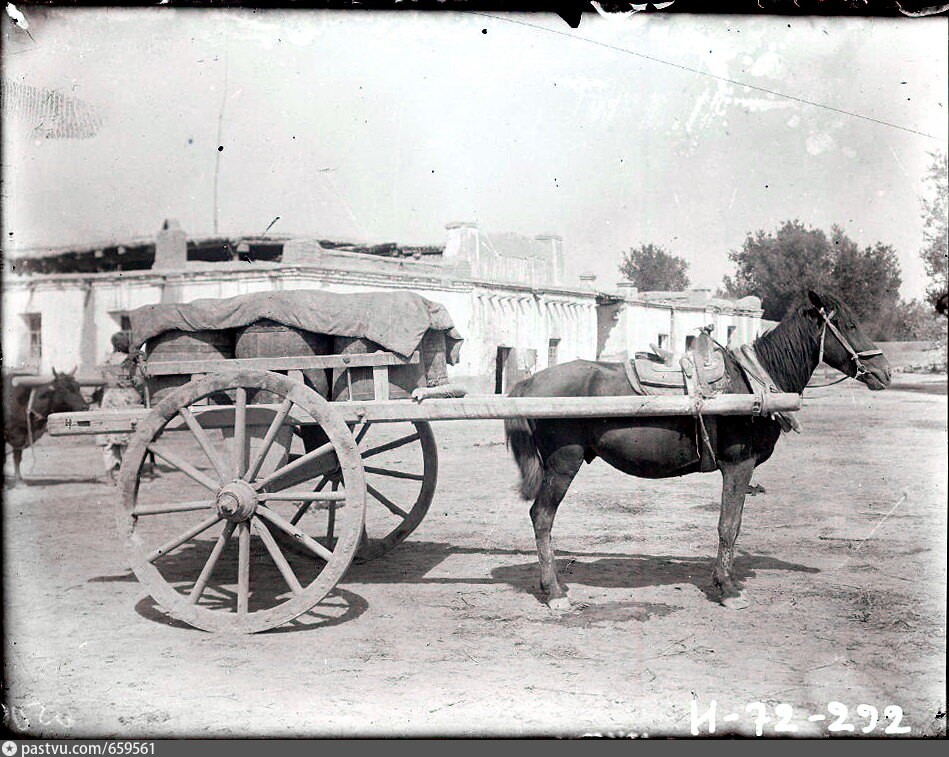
(736, 603)
(559, 604)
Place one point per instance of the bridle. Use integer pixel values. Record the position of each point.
(857, 357)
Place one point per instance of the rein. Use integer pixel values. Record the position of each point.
(854, 355)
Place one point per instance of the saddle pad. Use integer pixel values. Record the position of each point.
(659, 378)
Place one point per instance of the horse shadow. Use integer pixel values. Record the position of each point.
(412, 561)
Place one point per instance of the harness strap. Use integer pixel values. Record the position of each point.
(762, 384)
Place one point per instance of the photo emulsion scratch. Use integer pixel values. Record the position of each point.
(472, 374)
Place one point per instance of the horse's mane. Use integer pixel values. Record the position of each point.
(789, 350)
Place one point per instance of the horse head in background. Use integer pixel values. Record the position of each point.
(549, 452)
(27, 406)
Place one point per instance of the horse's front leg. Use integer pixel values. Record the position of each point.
(17, 459)
(559, 470)
(735, 480)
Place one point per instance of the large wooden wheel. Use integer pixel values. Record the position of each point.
(200, 535)
(401, 465)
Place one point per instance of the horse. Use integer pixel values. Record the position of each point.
(24, 420)
(549, 452)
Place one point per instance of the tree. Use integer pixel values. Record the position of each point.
(869, 281)
(935, 254)
(781, 267)
(908, 322)
(653, 269)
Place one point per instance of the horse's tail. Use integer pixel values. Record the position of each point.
(520, 440)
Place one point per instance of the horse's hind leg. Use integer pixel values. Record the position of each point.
(559, 470)
(735, 479)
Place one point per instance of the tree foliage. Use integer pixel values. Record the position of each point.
(869, 281)
(935, 253)
(780, 267)
(653, 269)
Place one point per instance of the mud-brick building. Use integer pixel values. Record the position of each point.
(507, 294)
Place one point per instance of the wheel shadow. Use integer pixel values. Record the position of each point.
(412, 561)
(268, 588)
(338, 607)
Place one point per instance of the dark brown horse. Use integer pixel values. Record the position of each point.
(550, 452)
(24, 421)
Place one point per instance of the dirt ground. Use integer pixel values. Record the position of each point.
(843, 560)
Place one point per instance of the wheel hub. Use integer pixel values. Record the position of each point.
(236, 501)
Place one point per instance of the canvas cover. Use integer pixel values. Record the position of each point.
(395, 320)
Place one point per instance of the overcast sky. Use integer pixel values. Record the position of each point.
(613, 134)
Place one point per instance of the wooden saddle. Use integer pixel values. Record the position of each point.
(700, 372)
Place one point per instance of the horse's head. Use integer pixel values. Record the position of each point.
(844, 346)
(61, 395)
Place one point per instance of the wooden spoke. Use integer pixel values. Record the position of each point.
(394, 473)
(208, 568)
(204, 440)
(301, 511)
(240, 433)
(243, 568)
(276, 555)
(254, 468)
(193, 583)
(286, 496)
(284, 525)
(394, 444)
(389, 504)
(331, 518)
(186, 468)
(363, 430)
(306, 459)
(173, 544)
(179, 507)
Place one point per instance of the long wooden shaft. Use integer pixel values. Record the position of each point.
(454, 408)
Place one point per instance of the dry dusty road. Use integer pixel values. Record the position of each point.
(843, 559)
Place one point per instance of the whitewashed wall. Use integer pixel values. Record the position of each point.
(86, 309)
(639, 325)
(80, 312)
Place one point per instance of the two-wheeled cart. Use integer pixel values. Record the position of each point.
(262, 500)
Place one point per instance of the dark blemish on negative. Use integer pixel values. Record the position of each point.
(190, 141)
(484, 31)
(220, 148)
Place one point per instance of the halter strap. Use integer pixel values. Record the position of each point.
(854, 355)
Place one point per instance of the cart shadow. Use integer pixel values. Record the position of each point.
(181, 567)
(338, 607)
(412, 561)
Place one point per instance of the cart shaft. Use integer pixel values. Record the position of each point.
(444, 409)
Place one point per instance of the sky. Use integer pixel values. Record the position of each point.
(689, 132)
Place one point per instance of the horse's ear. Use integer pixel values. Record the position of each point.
(816, 300)
(55, 373)
(73, 371)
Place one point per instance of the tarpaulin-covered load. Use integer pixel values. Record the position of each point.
(397, 321)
